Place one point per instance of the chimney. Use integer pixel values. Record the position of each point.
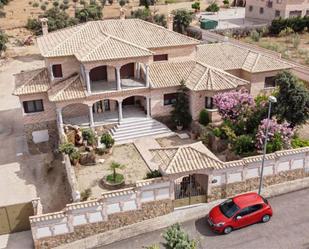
(170, 21)
(44, 22)
(122, 13)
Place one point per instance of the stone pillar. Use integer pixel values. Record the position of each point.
(60, 120)
(118, 79)
(138, 70)
(148, 107)
(91, 120)
(44, 23)
(87, 72)
(170, 21)
(147, 74)
(119, 110)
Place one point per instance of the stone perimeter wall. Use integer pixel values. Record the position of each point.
(155, 197)
(148, 211)
(149, 199)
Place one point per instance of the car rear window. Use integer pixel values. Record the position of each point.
(228, 208)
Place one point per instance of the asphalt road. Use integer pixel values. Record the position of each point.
(288, 228)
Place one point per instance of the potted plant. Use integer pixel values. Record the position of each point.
(74, 157)
(114, 180)
(108, 140)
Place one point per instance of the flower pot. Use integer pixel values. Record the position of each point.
(111, 186)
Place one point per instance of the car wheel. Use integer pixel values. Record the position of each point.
(227, 230)
(266, 218)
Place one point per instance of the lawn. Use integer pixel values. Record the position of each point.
(288, 46)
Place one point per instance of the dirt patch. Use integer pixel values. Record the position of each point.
(135, 169)
(174, 141)
(286, 46)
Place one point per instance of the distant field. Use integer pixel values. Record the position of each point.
(285, 45)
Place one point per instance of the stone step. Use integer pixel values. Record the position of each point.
(140, 126)
(144, 134)
(136, 122)
(138, 129)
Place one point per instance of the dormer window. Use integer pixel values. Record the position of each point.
(57, 71)
(160, 57)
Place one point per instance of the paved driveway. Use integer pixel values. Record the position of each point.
(288, 229)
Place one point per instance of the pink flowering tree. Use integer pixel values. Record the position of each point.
(234, 105)
(279, 135)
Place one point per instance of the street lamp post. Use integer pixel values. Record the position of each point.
(271, 99)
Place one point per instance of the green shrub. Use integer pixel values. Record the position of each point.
(276, 144)
(89, 136)
(213, 7)
(175, 237)
(35, 5)
(204, 117)
(297, 24)
(255, 36)
(3, 40)
(117, 178)
(217, 132)
(298, 143)
(153, 174)
(67, 148)
(196, 6)
(295, 40)
(85, 194)
(243, 145)
(43, 7)
(75, 155)
(226, 3)
(122, 2)
(107, 139)
(90, 12)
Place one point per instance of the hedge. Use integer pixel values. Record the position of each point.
(298, 24)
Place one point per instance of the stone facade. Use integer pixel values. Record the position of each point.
(231, 189)
(149, 210)
(50, 126)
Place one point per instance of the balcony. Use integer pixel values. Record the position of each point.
(106, 78)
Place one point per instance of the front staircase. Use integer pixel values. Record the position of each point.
(137, 128)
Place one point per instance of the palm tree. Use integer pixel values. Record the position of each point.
(113, 167)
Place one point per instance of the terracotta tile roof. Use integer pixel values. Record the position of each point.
(185, 158)
(67, 89)
(34, 81)
(110, 39)
(168, 74)
(228, 56)
(197, 76)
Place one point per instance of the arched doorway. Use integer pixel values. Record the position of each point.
(191, 189)
(135, 107)
(98, 74)
(105, 111)
(127, 71)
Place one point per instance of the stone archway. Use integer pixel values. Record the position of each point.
(98, 73)
(191, 189)
(127, 71)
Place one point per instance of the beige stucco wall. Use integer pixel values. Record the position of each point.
(177, 53)
(284, 6)
(157, 101)
(48, 114)
(69, 64)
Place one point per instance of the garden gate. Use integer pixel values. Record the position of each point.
(191, 189)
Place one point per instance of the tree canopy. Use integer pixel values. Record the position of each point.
(182, 20)
(293, 99)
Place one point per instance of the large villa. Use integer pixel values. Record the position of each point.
(106, 72)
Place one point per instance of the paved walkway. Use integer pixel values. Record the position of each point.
(143, 145)
(21, 240)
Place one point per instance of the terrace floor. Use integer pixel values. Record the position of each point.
(102, 86)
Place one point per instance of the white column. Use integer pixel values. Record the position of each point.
(138, 70)
(88, 81)
(118, 78)
(60, 120)
(91, 120)
(119, 110)
(148, 106)
(147, 74)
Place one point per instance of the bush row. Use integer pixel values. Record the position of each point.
(298, 24)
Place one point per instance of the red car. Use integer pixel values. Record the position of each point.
(239, 211)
